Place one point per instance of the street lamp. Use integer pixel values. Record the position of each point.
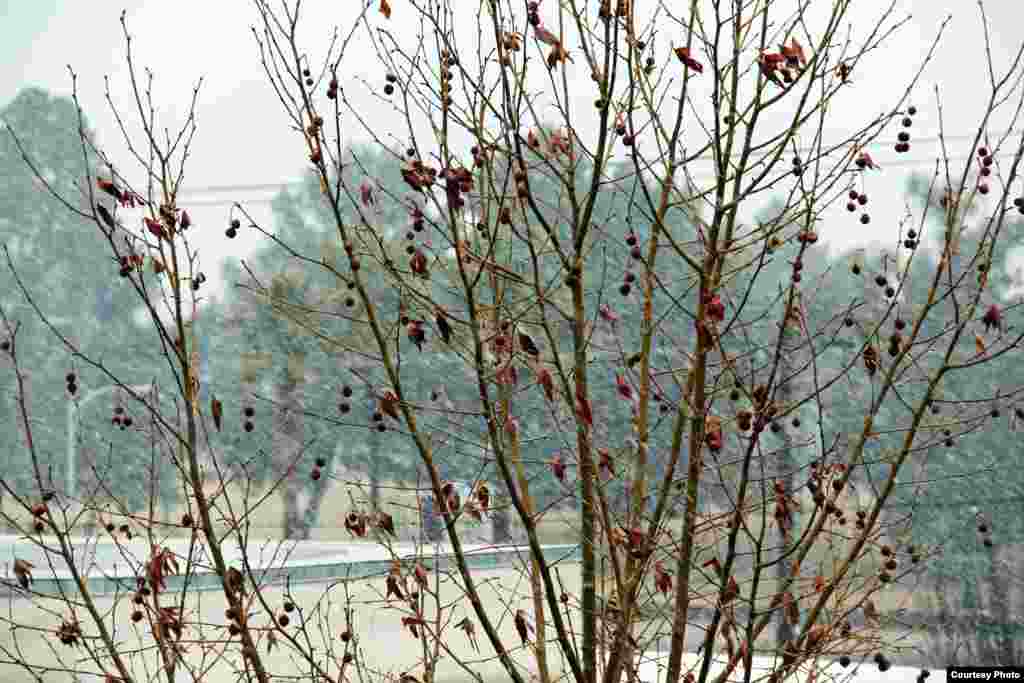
(73, 406)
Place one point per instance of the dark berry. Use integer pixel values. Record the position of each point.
(907, 122)
(987, 161)
(381, 427)
(320, 462)
(734, 395)
(862, 199)
(912, 110)
(983, 151)
(248, 426)
(624, 289)
(137, 616)
(796, 421)
(389, 89)
(880, 280)
(350, 302)
(982, 188)
(853, 194)
(851, 207)
(391, 78)
(890, 292)
(848, 322)
(343, 408)
(70, 378)
(377, 416)
(855, 269)
(186, 520)
(985, 172)
(289, 606)
(636, 253)
(949, 443)
(904, 136)
(249, 411)
(315, 474)
(231, 233)
(346, 391)
(844, 661)
(865, 219)
(309, 82)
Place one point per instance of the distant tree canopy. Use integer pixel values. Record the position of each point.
(70, 274)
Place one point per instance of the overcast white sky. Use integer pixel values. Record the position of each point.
(243, 137)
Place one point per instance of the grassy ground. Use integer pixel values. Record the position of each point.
(382, 642)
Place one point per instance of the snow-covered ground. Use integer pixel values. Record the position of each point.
(653, 671)
(102, 556)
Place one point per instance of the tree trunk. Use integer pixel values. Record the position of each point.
(287, 443)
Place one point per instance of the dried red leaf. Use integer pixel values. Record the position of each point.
(683, 53)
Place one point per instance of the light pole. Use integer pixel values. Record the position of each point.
(73, 406)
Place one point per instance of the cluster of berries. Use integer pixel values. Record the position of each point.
(890, 291)
(233, 227)
(248, 424)
(318, 465)
(197, 281)
(389, 87)
(124, 529)
(448, 61)
(620, 130)
(70, 378)
(139, 599)
(890, 565)
(858, 199)
(985, 159)
(634, 251)
(911, 240)
(120, 419)
(903, 144)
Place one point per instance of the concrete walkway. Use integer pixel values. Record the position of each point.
(653, 671)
